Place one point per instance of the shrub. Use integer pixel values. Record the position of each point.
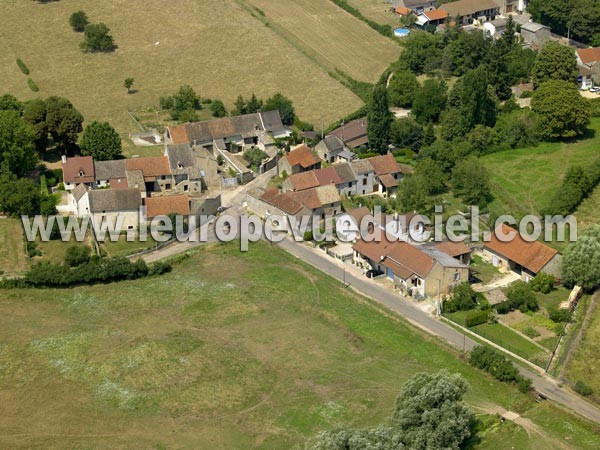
(159, 268)
(524, 384)
(463, 298)
(559, 315)
(519, 296)
(77, 255)
(543, 283)
(308, 236)
(78, 21)
(22, 66)
(97, 38)
(32, 85)
(477, 317)
(583, 389)
(495, 364)
(530, 332)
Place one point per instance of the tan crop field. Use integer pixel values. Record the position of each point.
(377, 10)
(336, 37)
(215, 46)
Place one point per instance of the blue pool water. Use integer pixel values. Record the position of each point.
(401, 32)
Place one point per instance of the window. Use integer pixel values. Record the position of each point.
(457, 276)
(364, 181)
(350, 184)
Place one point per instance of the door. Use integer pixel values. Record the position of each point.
(495, 261)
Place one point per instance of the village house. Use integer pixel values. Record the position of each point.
(108, 204)
(300, 159)
(434, 17)
(233, 133)
(272, 202)
(535, 34)
(332, 150)
(404, 227)
(163, 206)
(589, 59)
(387, 173)
(110, 174)
(353, 134)
(415, 6)
(78, 170)
(417, 271)
(365, 176)
(321, 200)
(340, 175)
(511, 6)
(524, 258)
(457, 250)
(351, 224)
(469, 11)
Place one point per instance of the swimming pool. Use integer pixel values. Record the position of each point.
(401, 32)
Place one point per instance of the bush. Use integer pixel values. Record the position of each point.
(77, 255)
(474, 318)
(463, 298)
(22, 66)
(530, 332)
(485, 358)
(583, 389)
(524, 385)
(159, 268)
(519, 296)
(32, 85)
(308, 236)
(78, 21)
(97, 38)
(543, 283)
(559, 315)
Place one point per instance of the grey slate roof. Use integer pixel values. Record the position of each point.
(271, 121)
(361, 166)
(111, 200)
(180, 157)
(107, 170)
(79, 191)
(344, 171)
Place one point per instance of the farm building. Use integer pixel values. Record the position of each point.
(520, 256)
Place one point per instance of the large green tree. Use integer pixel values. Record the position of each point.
(561, 110)
(470, 182)
(579, 19)
(78, 21)
(477, 103)
(282, 104)
(555, 62)
(407, 133)
(64, 122)
(19, 196)
(17, 148)
(100, 141)
(402, 89)
(430, 101)
(34, 114)
(581, 261)
(97, 38)
(379, 120)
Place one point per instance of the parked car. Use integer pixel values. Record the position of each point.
(374, 273)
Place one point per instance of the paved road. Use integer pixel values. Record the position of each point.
(416, 316)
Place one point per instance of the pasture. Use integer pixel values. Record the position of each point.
(524, 180)
(216, 47)
(12, 248)
(377, 10)
(230, 350)
(333, 36)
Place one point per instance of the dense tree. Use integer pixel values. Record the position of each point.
(555, 62)
(282, 104)
(78, 21)
(19, 196)
(422, 52)
(470, 182)
(467, 51)
(187, 116)
(185, 99)
(482, 140)
(477, 104)
(255, 156)
(453, 124)
(561, 110)
(413, 194)
(406, 133)
(519, 64)
(581, 261)
(64, 122)
(520, 295)
(128, 83)
(97, 38)
(429, 136)
(463, 298)
(76, 255)
(9, 102)
(34, 114)
(17, 148)
(402, 89)
(100, 141)
(577, 18)
(379, 120)
(431, 414)
(218, 109)
(517, 129)
(433, 177)
(430, 101)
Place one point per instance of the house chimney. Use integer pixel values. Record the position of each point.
(63, 158)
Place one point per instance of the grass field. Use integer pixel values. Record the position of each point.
(335, 37)
(377, 10)
(524, 180)
(231, 350)
(12, 250)
(216, 47)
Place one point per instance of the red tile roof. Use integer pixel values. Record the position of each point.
(589, 55)
(304, 180)
(163, 206)
(150, 167)
(79, 169)
(354, 133)
(401, 10)
(384, 164)
(302, 156)
(531, 255)
(388, 181)
(327, 175)
(179, 134)
(436, 14)
(283, 201)
(411, 259)
(453, 249)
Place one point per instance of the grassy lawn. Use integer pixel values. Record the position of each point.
(230, 350)
(376, 10)
(12, 250)
(505, 337)
(161, 53)
(54, 251)
(124, 248)
(525, 179)
(483, 271)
